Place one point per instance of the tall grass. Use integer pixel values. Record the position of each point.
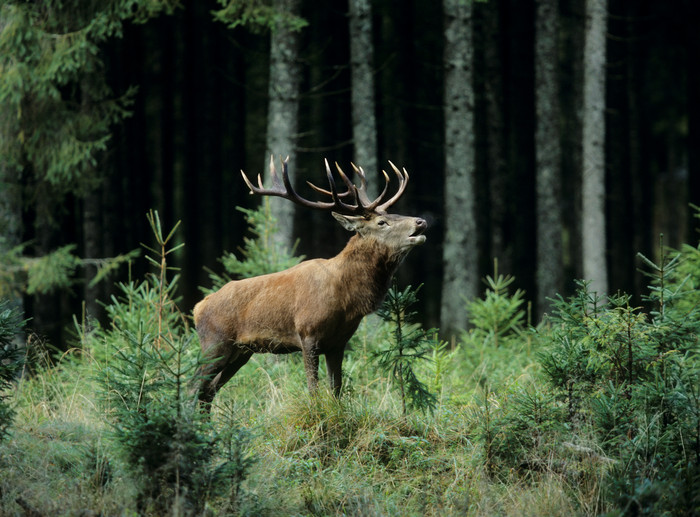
(314, 455)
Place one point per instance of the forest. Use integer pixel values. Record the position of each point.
(538, 355)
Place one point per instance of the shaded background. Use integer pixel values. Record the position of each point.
(199, 116)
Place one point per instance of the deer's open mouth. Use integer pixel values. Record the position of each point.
(417, 236)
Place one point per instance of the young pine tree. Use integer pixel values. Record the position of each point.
(630, 379)
(151, 360)
(409, 345)
(261, 253)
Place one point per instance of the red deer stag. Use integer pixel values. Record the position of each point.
(315, 306)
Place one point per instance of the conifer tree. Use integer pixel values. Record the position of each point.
(56, 108)
(408, 345)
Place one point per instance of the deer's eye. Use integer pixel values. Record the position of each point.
(381, 222)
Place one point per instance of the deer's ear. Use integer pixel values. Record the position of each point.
(352, 223)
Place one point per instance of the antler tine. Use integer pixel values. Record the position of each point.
(276, 189)
(331, 182)
(352, 191)
(362, 192)
(273, 172)
(346, 180)
(283, 188)
(362, 189)
(403, 181)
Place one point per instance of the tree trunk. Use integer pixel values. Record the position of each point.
(547, 154)
(10, 223)
(495, 135)
(283, 112)
(571, 70)
(10, 200)
(460, 252)
(693, 107)
(364, 122)
(593, 166)
(91, 249)
(91, 213)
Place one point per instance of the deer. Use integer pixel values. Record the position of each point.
(315, 306)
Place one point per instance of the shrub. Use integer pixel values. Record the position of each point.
(409, 344)
(633, 377)
(10, 361)
(152, 360)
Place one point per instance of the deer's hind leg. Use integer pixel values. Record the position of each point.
(217, 373)
(310, 353)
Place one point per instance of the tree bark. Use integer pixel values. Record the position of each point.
(693, 107)
(547, 154)
(10, 223)
(10, 199)
(283, 112)
(495, 136)
(571, 71)
(364, 122)
(91, 212)
(593, 167)
(460, 252)
(91, 249)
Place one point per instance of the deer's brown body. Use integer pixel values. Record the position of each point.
(313, 307)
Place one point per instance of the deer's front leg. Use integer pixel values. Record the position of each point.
(334, 365)
(310, 353)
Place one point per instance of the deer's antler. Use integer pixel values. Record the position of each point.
(353, 201)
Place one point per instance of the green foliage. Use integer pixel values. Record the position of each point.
(498, 317)
(257, 15)
(261, 253)
(497, 346)
(633, 379)
(518, 427)
(10, 361)
(151, 367)
(442, 358)
(409, 345)
(58, 107)
(55, 270)
(52, 271)
(614, 402)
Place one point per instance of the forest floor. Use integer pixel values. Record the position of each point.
(310, 455)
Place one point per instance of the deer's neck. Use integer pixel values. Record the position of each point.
(365, 271)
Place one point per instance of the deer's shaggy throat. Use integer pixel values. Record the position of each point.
(368, 267)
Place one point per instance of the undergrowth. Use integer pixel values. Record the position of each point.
(593, 412)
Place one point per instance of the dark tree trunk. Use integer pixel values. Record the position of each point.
(496, 162)
(693, 93)
(460, 250)
(364, 123)
(548, 154)
(571, 79)
(283, 113)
